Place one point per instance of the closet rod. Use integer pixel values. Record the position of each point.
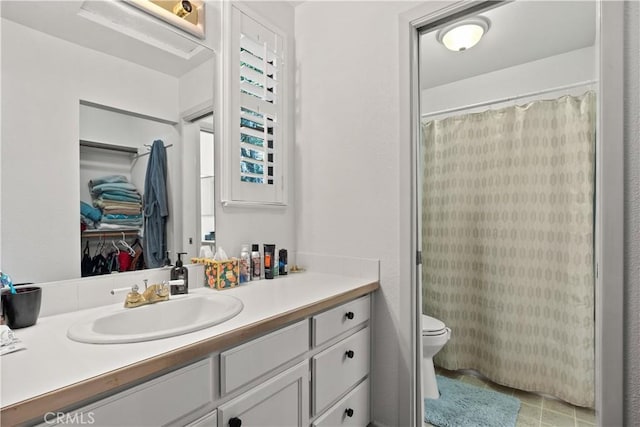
(509, 98)
(149, 148)
(88, 234)
(112, 147)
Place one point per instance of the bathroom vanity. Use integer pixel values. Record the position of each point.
(297, 354)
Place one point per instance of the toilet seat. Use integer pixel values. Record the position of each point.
(432, 326)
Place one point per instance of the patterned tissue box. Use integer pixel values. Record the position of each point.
(219, 274)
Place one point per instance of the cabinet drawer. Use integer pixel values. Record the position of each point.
(154, 403)
(338, 368)
(244, 363)
(333, 322)
(351, 410)
(280, 401)
(209, 420)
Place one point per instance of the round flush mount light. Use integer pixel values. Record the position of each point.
(464, 34)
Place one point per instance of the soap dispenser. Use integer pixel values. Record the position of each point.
(180, 272)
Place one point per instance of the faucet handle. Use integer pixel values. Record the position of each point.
(145, 283)
(133, 288)
(178, 287)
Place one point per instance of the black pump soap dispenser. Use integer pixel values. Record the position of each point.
(179, 272)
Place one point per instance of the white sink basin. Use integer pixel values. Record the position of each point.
(160, 320)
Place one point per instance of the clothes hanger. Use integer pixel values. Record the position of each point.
(99, 245)
(126, 246)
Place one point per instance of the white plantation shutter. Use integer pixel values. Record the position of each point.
(256, 133)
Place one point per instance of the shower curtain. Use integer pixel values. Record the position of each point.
(507, 214)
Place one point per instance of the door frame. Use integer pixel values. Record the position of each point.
(609, 229)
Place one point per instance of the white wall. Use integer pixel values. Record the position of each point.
(632, 214)
(43, 80)
(556, 71)
(196, 86)
(347, 159)
(1, 43)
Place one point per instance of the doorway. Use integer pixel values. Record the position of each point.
(607, 377)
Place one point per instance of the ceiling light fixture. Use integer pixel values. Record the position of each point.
(463, 35)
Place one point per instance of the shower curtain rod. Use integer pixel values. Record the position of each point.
(509, 98)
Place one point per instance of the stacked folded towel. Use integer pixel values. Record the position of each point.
(118, 200)
(89, 216)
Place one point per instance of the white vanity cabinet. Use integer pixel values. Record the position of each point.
(314, 372)
(333, 322)
(340, 386)
(280, 401)
(209, 420)
(339, 368)
(247, 362)
(158, 402)
(352, 410)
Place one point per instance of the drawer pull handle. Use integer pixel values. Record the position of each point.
(349, 315)
(235, 422)
(350, 354)
(349, 412)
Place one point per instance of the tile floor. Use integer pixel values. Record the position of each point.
(535, 410)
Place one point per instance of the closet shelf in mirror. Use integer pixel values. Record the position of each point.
(120, 148)
(105, 146)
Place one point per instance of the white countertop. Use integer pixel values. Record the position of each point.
(52, 361)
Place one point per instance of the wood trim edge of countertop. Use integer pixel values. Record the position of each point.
(29, 410)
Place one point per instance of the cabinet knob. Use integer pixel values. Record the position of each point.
(348, 412)
(235, 422)
(349, 315)
(350, 354)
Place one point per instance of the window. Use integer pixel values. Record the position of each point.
(256, 102)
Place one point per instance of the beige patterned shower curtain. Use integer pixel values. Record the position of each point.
(507, 230)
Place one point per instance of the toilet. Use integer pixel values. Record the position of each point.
(434, 336)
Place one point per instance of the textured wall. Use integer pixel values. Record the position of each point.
(632, 214)
(347, 164)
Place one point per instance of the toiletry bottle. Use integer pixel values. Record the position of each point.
(269, 254)
(282, 262)
(256, 262)
(245, 264)
(276, 270)
(179, 272)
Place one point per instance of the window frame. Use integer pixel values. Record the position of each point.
(233, 191)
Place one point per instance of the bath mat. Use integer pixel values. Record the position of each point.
(465, 405)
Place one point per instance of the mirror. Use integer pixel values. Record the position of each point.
(86, 89)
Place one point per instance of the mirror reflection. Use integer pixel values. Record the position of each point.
(207, 183)
(101, 123)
